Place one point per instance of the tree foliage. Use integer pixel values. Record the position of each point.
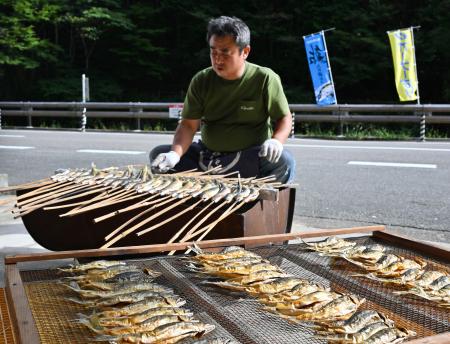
(137, 50)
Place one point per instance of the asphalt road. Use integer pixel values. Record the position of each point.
(404, 185)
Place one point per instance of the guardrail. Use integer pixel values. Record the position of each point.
(342, 114)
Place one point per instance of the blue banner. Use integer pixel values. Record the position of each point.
(317, 56)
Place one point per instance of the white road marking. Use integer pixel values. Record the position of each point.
(390, 164)
(100, 151)
(12, 136)
(16, 147)
(369, 147)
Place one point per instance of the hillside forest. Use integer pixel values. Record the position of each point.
(148, 51)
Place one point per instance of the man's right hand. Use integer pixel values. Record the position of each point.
(166, 161)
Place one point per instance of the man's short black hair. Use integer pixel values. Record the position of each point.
(229, 26)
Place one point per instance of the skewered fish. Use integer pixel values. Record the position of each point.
(169, 333)
(147, 325)
(355, 323)
(118, 299)
(119, 290)
(98, 264)
(140, 311)
(390, 336)
(340, 308)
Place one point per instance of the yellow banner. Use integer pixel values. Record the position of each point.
(402, 47)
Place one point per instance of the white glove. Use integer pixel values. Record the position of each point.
(271, 149)
(166, 161)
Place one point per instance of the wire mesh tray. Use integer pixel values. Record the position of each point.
(237, 315)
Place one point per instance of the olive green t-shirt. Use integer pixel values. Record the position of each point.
(235, 114)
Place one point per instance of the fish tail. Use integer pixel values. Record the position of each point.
(76, 300)
(89, 325)
(105, 338)
(196, 249)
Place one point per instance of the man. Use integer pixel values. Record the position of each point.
(235, 101)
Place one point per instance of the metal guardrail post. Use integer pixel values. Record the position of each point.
(422, 127)
(340, 122)
(293, 125)
(422, 124)
(29, 111)
(83, 120)
(138, 118)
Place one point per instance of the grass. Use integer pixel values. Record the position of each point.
(367, 131)
(354, 131)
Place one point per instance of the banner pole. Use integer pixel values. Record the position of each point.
(329, 63)
(315, 33)
(415, 62)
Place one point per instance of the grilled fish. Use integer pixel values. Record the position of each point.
(355, 323)
(166, 333)
(98, 264)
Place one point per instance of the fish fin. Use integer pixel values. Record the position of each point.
(152, 273)
(226, 285)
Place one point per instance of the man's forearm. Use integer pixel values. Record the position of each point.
(283, 128)
(184, 135)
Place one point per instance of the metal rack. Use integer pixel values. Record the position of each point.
(236, 315)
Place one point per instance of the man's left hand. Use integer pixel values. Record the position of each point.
(271, 149)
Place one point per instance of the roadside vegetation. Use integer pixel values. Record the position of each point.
(356, 131)
(148, 51)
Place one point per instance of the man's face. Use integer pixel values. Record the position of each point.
(226, 59)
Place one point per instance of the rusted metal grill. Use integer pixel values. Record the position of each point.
(239, 316)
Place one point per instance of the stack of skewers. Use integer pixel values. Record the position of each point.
(392, 269)
(335, 315)
(79, 191)
(126, 305)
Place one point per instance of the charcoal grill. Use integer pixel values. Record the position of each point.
(79, 232)
(41, 317)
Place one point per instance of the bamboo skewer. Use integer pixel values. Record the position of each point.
(129, 208)
(177, 234)
(167, 200)
(207, 228)
(206, 217)
(48, 193)
(36, 183)
(59, 194)
(191, 232)
(271, 177)
(79, 193)
(184, 172)
(140, 224)
(114, 201)
(41, 205)
(103, 195)
(48, 187)
(188, 223)
(64, 206)
(60, 197)
(80, 204)
(169, 219)
(87, 208)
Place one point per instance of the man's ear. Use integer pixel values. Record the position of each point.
(245, 52)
